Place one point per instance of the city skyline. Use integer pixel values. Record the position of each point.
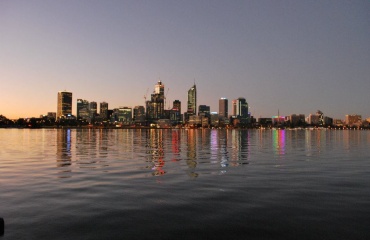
(295, 57)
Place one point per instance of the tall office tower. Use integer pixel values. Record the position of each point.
(93, 109)
(64, 103)
(240, 108)
(155, 107)
(104, 110)
(82, 109)
(223, 108)
(192, 101)
(139, 115)
(176, 112)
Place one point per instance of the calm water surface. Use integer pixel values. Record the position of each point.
(184, 184)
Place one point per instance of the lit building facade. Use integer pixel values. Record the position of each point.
(155, 107)
(353, 120)
(93, 109)
(125, 115)
(240, 108)
(204, 111)
(223, 108)
(64, 104)
(139, 115)
(104, 110)
(82, 109)
(176, 112)
(192, 101)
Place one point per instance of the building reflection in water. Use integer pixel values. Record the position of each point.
(191, 159)
(155, 152)
(86, 148)
(240, 145)
(278, 142)
(64, 155)
(222, 143)
(103, 143)
(175, 144)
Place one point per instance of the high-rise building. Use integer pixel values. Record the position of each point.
(82, 109)
(64, 104)
(93, 109)
(139, 115)
(240, 108)
(223, 108)
(192, 101)
(155, 107)
(104, 110)
(176, 112)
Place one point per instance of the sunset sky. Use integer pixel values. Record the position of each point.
(295, 56)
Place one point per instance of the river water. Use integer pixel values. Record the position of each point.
(184, 184)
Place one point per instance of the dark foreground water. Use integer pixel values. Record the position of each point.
(185, 184)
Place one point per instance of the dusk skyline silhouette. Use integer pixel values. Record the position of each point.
(291, 56)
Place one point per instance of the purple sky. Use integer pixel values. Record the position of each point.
(295, 56)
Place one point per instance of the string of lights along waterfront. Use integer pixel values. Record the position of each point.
(158, 113)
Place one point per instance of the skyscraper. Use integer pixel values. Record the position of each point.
(240, 108)
(82, 109)
(93, 109)
(155, 107)
(104, 110)
(223, 108)
(192, 101)
(139, 115)
(64, 103)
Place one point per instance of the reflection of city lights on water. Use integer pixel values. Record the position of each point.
(279, 141)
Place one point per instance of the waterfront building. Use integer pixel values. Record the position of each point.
(51, 115)
(139, 115)
(223, 108)
(83, 111)
(328, 121)
(93, 110)
(192, 101)
(296, 120)
(240, 111)
(278, 120)
(64, 104)
(240, 108)
(176, 105)
(104, 110)
(155, 107)
(313, 119)
(125, 115)
(204, 111)
(265, 122)
(195, 120)
(214, 119)
(353, 120)
(176, 113)
(338, 122)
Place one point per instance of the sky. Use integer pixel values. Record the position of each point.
(288, 56)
